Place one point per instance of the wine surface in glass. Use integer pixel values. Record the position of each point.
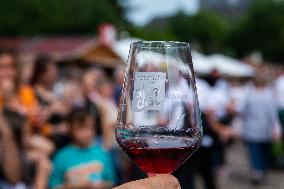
(159, 155)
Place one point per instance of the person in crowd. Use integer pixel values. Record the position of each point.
(238, 94)
(45, 130)
(90, 95)
(201, 161)
(220, 112)
(279, 85)
(109, 109)
(84, 93)
(49, 120)
(82, 164)
(13, 95)
(260, 126)
(17, 103)
(118, 77)
(72, 94)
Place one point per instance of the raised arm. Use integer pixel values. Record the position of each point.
(11, 166)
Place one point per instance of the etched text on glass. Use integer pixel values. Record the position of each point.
(149, 91)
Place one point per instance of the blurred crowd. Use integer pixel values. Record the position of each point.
(58, 132)
(247, 109)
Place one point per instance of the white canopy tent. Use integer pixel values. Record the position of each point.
(122, 47)
(202, 64)
(231, 67)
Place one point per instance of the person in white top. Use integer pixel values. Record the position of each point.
(210, 101)
(220, 111)
(279, 87)
(260, 126)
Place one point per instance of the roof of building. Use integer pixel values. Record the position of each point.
(86, 48)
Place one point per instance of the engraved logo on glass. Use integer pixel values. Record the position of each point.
(149, 91)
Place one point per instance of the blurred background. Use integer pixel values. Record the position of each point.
(62, 63)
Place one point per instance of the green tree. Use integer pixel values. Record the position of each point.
(151, 33)
(261, 29)
(206, 29)
(30, 17)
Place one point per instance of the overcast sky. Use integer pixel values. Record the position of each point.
(144, 11)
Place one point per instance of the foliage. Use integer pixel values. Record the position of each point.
(149, 33)
(208, 29)
(261, 29)
(30, 17)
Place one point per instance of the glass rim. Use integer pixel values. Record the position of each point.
(160, 44)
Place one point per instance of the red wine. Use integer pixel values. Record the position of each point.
(159, 156)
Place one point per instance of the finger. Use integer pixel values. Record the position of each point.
(156, 182)
(164, 181)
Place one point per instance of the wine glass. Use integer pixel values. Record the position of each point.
(158, 122)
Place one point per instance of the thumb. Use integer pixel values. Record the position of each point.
(156, 182)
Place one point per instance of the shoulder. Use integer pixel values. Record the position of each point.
(279, 83)
(98, 148)
(280, 79)
(26, 90)
(27, 94)
(100, 151)
(64, 153)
